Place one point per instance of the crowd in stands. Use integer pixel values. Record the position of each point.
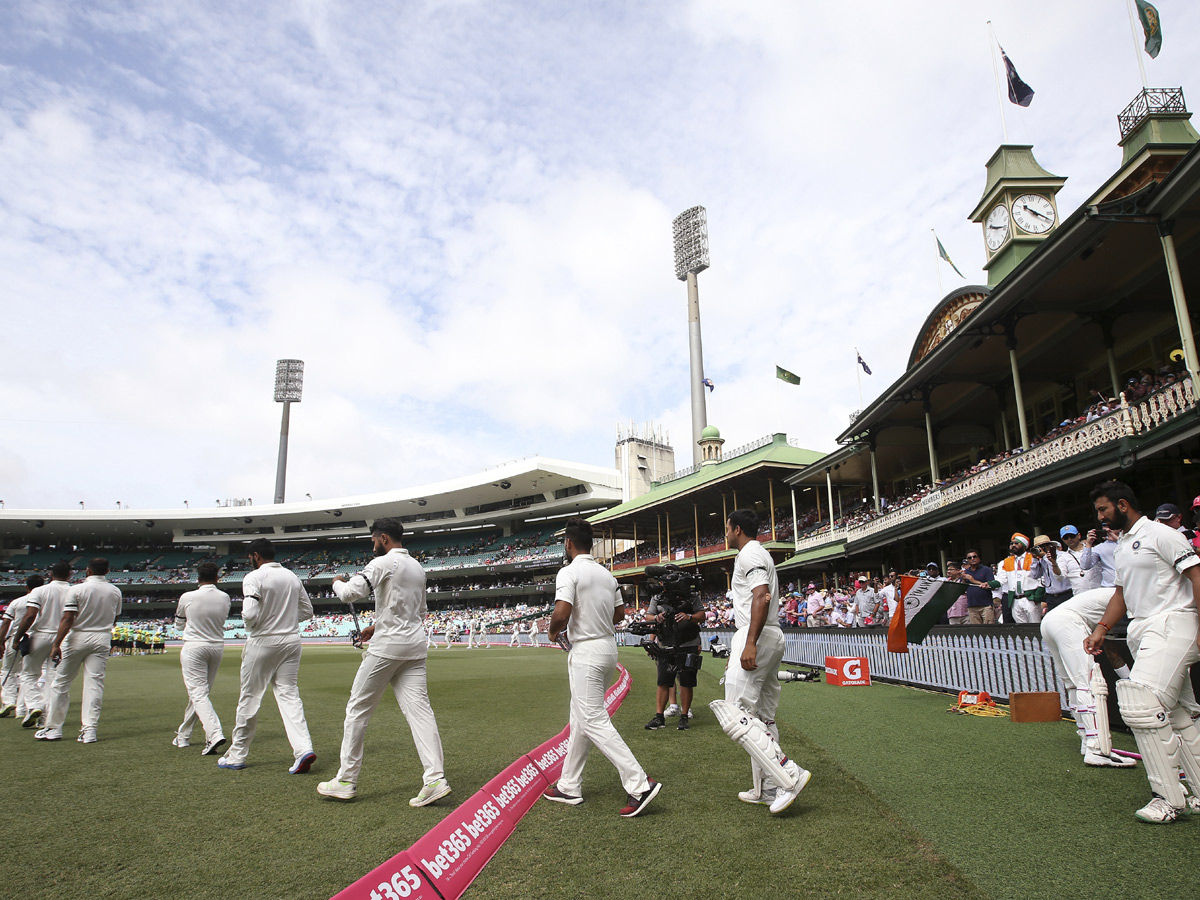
(683, 546)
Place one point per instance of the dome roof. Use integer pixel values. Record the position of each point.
(710, 432)
(946, 316)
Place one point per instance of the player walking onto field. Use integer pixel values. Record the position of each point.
(587, 599)
(396, 656)
(273, 606)
(1158, 585)
(201, 616)
(747, 714)
(11, 699)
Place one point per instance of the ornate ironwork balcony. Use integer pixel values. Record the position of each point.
(1148, 102)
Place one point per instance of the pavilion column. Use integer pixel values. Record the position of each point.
(1182, 317)
(724, 519)
(829, 488)
(696, 532)
(1018, 394)
(771, 496)
(795, 522)
(669, 548)
(933, 460)
(875, 476)
(659, 538)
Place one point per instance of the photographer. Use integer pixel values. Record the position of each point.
(677, 612)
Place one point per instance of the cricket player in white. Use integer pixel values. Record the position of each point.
(516, 635)
(201, 616)
(587, 605)
(1158, 585)
(274, 603)
(396, 656)
(1064, 629)
(43, 613)
(11, 699)
(83, 641)
(747, 714)
(533, 633)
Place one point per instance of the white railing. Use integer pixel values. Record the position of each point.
(1131, 420)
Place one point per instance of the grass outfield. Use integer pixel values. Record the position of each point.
(906, 801)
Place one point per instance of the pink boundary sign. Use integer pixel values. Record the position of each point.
(452, 854)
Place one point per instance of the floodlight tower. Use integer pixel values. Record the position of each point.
(691, 258)
(289, 385)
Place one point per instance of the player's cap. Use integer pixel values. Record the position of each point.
(1067, 529)
(1166, 511)
(1196, 503)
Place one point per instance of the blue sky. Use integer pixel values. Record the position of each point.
(459, 214)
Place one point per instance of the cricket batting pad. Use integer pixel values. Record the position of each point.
(1100, 694)
(755, 738)
(1156, 739)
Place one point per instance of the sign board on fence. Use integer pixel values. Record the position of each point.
(847, 670)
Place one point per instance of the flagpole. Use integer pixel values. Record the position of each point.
(996, 73)
(858, 375)
(937, 262)
(1137, 46)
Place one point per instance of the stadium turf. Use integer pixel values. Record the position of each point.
(907, 800)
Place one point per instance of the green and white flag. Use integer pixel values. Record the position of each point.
(923, 602)
(1151, 26)
(946, 256)
(784, 375)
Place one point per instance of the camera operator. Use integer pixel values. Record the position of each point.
(678, 618)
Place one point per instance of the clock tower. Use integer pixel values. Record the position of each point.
(1018, 208)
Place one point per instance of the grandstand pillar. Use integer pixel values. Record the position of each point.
(1186, 336)
(771, 496)
(829, 488)
(795, 521)
(635, 549)
(933, 460)
(696, 532)
(724, 519)
(659, 517)
(1018, 394)
(875, 475)
(667, 513)
(1004, 429)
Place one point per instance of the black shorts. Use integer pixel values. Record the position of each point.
(687, 677)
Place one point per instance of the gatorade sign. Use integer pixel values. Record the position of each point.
(847, 670)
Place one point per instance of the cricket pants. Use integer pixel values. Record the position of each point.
(1164, 647)
(408, 683)
(40, 643)
(270, 661)
(10, 694)
(199, 661)
(86, 650)
(590, 666)
(757, 691)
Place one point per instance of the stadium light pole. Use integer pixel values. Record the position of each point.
(690, 230)
(289, 385)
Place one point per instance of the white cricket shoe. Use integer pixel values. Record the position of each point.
(87, 736)
(1158, 812)
(783, 798)
(1110, 760)
(672, 710)
(757, 795)
(337, 790)
(48, 734)
(178, 741)
(430, 792)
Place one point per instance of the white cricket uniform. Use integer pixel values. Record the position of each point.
(273, 606)
(201, 616)
(10, 675)
(97, 605)
(594, 596)
(533, 634)
(516, 635)
(396, 656)
(48, 600)
(1150, 559)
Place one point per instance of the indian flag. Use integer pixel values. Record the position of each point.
(923, 602)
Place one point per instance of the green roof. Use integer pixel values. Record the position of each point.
(778, 452)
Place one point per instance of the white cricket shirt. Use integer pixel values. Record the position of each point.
(96, 604)
(593, 594)
(398, 582)
(1150, 560)
(48, 600)
(754, 567)
(274, 601)
(201, 614)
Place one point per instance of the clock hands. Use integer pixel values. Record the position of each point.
(1030, 209)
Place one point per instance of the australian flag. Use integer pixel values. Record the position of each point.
(708, 383)
(866, 368)
(1018, 91)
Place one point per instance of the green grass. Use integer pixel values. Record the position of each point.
(906, 801)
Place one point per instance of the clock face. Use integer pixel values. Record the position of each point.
(995, 227)
(1034, 213)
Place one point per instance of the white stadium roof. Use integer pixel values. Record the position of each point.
(533, 489)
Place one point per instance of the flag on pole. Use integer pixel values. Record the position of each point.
(946, 256)
(708, 383)
(862, 363)
(923, 602)
(1151, 26)
(784, 375)
(1018, 91)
